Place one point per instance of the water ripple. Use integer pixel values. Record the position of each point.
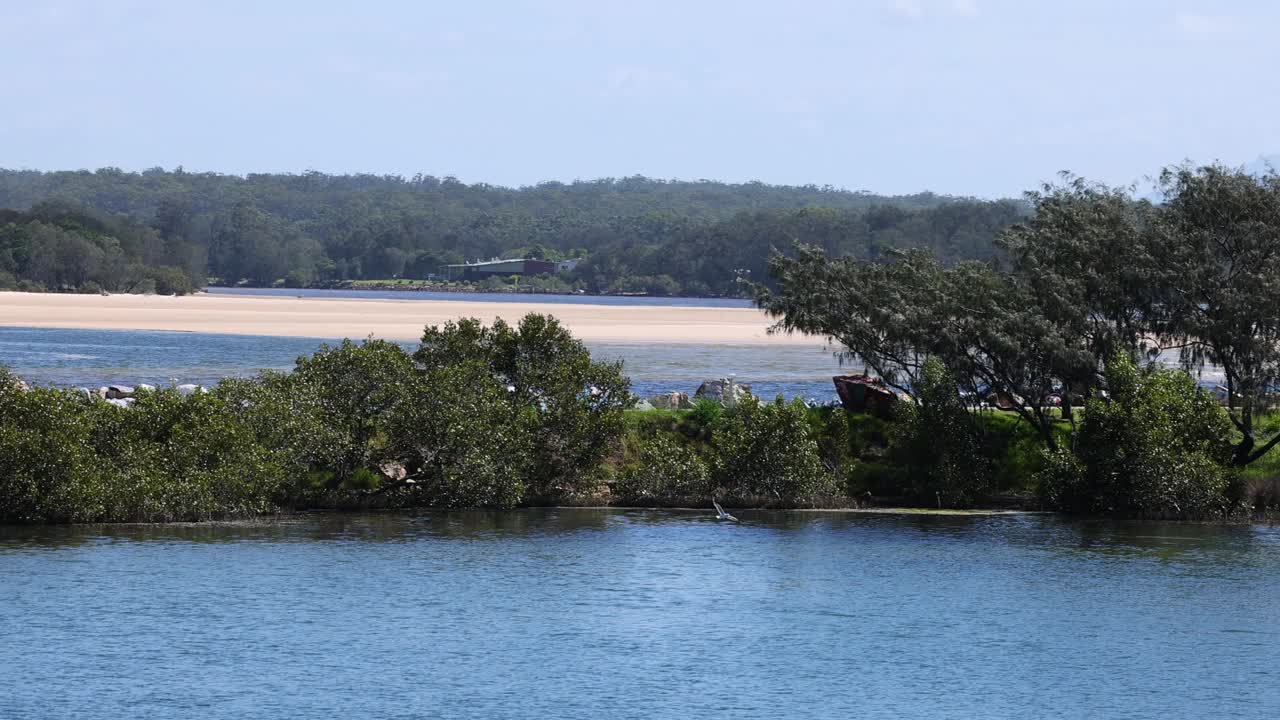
(645, 614)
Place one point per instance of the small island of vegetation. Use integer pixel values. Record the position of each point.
(1064, 328)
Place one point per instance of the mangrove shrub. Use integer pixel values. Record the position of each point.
(66, 458)
(461, 439)
(1159, 446)
(768, 452)
(664, 470)
(938, 443)
(573, 405)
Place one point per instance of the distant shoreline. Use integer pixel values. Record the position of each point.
(389, 319)
(410, 286)
(375, 293)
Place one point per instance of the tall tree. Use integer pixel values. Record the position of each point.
(1086, 255)
(984, 326)
(1218, 240)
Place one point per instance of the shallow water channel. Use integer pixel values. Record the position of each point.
(102, 357)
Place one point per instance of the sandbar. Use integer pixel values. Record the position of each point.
(386, 319)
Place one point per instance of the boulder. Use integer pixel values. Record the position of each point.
(671, 401)
(120, 402)
(143, 387)
(726, 391)
(642, 405)
(188, 389)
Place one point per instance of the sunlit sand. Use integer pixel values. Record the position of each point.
(388, 319)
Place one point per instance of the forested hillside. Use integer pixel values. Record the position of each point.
(635, 234)
(59, 247)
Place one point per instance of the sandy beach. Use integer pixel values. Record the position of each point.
(388, 319)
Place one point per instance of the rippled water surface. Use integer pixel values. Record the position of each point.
(101, 357)
(617, 614)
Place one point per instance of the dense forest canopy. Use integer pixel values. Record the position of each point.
(57, 246)
(635, 234)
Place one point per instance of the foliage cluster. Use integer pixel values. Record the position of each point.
(752, 454)
(939, 445)
(170, 457)
(478, 416)
(59, 247)
(1158, 446)
(1093, 278)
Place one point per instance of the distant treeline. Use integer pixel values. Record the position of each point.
(638, 235)
(59, 247)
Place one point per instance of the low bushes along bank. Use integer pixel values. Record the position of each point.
(504, 416)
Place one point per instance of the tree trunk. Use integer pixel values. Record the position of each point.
(1244, 449)
(1045, 425)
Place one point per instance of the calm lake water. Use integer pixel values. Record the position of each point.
(616, 614)
(101, 357)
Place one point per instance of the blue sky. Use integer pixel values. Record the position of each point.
(972, 97)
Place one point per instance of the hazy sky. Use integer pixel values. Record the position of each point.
(981, 97)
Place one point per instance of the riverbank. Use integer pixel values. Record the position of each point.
(386, 319)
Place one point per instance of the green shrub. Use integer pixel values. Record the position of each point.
(352, 389)
(172, 457)
(65, 458)
(462, 439)
(768, 451)
(663, 471)
(170, 280)
(48, 472)
(299, 278)
(938, 444)
(574, 405)
(326, 421)
(646, 423)
(1062, 482)
(287, 418)
(869, 435)
(1160, 446)
(874, 478)
(700, 422)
